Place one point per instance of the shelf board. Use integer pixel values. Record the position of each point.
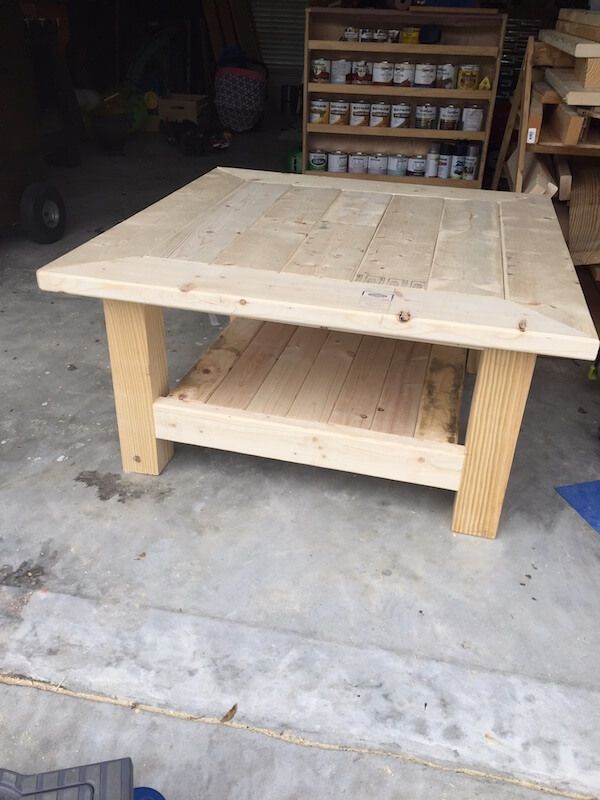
(391, 47)
(395, 133)
(397, 91)
(457, 184)
(547, 145)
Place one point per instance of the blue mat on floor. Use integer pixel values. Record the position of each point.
(585, 499)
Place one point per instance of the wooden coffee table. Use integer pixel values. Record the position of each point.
(354, 305)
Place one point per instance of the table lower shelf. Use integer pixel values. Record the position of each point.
(375, 406)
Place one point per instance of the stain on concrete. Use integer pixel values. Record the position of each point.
(28, 575)
(110, 484)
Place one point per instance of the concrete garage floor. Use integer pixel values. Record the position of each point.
(370, 652)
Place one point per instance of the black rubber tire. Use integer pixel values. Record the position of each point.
(43, 216)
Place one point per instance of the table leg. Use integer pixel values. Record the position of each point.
(501, 390)
(138, 359)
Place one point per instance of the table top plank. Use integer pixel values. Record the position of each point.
(444, 266)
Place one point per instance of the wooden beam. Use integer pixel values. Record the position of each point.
(545, 93)
(584, 17)
(570, 89)
(501, 391)
(587, 72)
(516, 104)
(590, 32)
(526, 100)
(565, 124)
(544, 55)
(534, 122)
(563, 176)
(584, 220)
(138, 360)
(573, 45)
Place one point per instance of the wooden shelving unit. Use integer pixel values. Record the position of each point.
(466, 37)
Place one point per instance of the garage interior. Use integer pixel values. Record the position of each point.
(241, 626)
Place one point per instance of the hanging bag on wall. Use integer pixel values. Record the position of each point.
(240, 94)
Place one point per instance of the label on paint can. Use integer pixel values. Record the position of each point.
(317, 160)
(366, 35)
(397, 164)
(339, 112)
(400, 115)
(472, 118)
(425, 116)
(351, 35)
(404, 74)
(337, 161)
(319, 111)
(449, 118)
(360, 112)
(416, 166)
(377, 164)
(358, 163)
(362, 72)
(445, 76)
(431, 165)
(380, 115)
(468, 76)
(425, 75)
(470, 168)
(380, 35)
(340, 70)
(383, 72)
(320, 70)
(444, 165)
(457, 166)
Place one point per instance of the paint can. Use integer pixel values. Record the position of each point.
(432, 161)
(449, 118)
(425, 116)
(380, 115)
(317, 160)
(351, 35)
(393, 35)
(425, 75)
(445, 76)
(404, 73)
(339, 112)
(472, 117)
(319, 111)
(358, 163)
(446, 153)
(337, 161)
(400, 115)
(360, 111)
(380, 35)
(383, 72)
(320, 70)
(409, 35)
(362, 72)
(468, 76)
(377, 164)
(471, 162)
(397, 164)
(457, 161)
(340, 70)
(366, 35)
(416, 165)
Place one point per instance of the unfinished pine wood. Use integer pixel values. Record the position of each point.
(138, 360)
(545, 93)
(564, 177)
(525, 103)
(565, 124)
(358, 399)
(570, 89)
(535, 119)
(590, 32)
(439, 410)
(398, 405)
(587, 71)
(544, 55)
(574, 45)
(501, 391)
(584, 220)
(591, 18)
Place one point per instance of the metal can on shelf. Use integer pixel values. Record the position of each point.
(449, 117)
(425, 75)
(468, 76)
(320, 70)
(339, 112)
(380, 35)
(445, 76)
(400, 115)
(471, 162)
(377, 164)
(472, 117)
(340, 70)
(393, 35)
(351, 34)
(446, 152)
(360, 111)
(457, 161)
(425, 116)
(358, 163)
(416, 165)
(409, 35)
(317, 160)
(362, 72)
(397, 164)
(383, 72)
(404, 73)
(337, 161)
(319, 111)
(366, 35)
(380, 115)
(432, 160)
